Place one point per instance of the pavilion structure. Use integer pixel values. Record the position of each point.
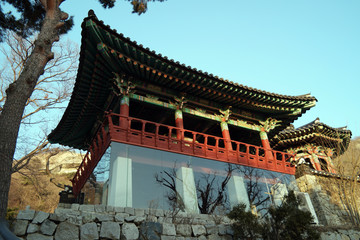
(139, 102)
(314, 143)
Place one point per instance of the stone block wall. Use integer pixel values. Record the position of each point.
(74, 221)
(88, 222)
(326, 199)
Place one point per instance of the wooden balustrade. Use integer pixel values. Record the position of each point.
(163, 137)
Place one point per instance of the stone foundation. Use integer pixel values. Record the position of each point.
(88, 222)
(326, 200)
(74, 221)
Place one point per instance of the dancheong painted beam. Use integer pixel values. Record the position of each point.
(199, 145)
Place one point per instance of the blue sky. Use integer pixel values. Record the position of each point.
(281, 46)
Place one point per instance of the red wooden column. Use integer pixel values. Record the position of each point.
(315, 160)
(224, 117)
(124, 110)
(330, 165)
(266, 145)
(226, 134)
(179, 123)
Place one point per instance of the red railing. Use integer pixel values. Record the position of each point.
(159, 136)
(97, 149)
(163, 137)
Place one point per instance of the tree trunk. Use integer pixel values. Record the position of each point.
(18, 93)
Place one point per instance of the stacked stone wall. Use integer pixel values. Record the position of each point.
(85, 222)
(328, 199)
(74, 221)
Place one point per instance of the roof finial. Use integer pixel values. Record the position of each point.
(91, 13)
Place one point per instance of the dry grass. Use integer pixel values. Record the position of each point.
(32, 186)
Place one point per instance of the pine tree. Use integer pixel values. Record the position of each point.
(284, 222)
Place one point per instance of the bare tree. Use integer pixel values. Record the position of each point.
(211, 190)
(168, 180)
(255, 190)
(348, 185)
(52, 89)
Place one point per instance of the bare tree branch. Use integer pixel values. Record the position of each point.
(24, 161)
(52, 89)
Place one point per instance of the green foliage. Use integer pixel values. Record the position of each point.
(27, 19)
(246, 225)
(29, 15)
(285, 222)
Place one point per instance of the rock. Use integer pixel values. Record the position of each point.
(40, 217)
(104, 217)
(124, 215)
(57, 217)
(354, 235)
(89, 231)
(118, 209)
(226, 220)
(119, 218)
(99, 208)
(163, 237)
(19, 227)
(129, 231)
(26, 214)
(211, 229)
(66, 231)
(225, 237)
(181, 214)
(129, 210)
(110, 230)
(32, 228)
(87, 208)
(66, 211)
(168, 229)
(345, 237)
(75, 206)
(159, 213)
(213, 237)
(222, 229)
(198, 230)
(184, 230)
(76, 220)
(110, 209)
(38, 236)
(150, 231)
(64, 205)
(139, 212)
(150, 218)
(330, 236)
(168, 220)
(48, 227)
(130, 219)
(88, 217)
(139, 220)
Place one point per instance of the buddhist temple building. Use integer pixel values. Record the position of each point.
(315, 143)
(162, 134)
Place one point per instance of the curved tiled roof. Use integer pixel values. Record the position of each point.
(314, 132)
(105, 52)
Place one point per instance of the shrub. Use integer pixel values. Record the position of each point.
(284, 222)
